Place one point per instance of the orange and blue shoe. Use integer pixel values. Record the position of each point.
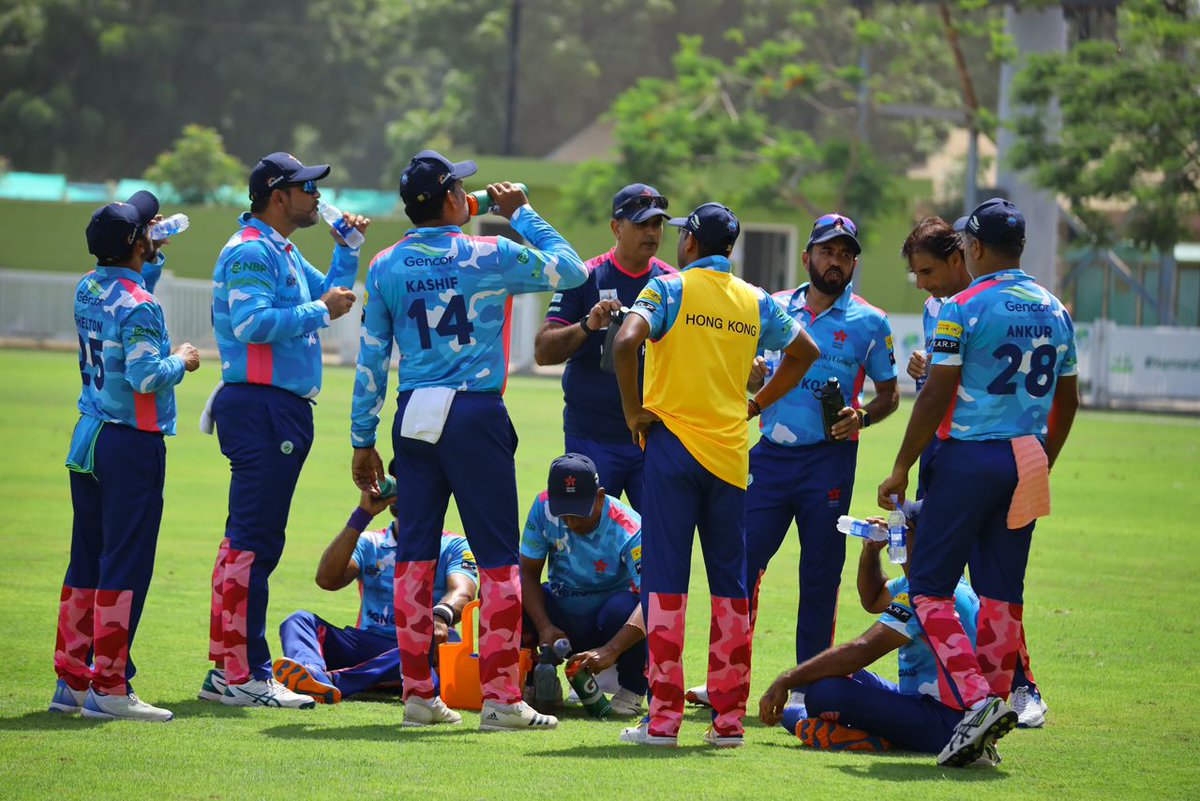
(299, 679)
(830, 736)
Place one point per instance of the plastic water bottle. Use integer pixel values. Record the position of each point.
(588, 691)
(481, 202)
(333, 215)
(387, 487)
(861, 529)
(169, 227)
(897, 535)
(546, 690)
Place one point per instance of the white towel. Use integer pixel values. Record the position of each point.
(206, 418)
(425, 415)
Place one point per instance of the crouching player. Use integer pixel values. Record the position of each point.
(850, 708)
(593, 542)
(331, 663)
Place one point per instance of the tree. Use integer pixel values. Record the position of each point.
(1118, 121)
(198, 166)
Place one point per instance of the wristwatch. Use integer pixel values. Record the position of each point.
(583, 324)
(865, 415)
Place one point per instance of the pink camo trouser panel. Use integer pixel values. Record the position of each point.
(999, 642)
(960, 680)
(666, 616)
(729, 663)
(413, 605)
(74, 638)
(111, 645)
(216, 636)
(500, 633)
(235, 592)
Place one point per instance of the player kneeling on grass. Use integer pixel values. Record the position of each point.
(847, 707)
(593, 543)
(331, 663)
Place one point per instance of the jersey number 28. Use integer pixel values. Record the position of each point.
(1038, 380)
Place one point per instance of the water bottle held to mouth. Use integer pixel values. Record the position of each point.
(337, 221)
(481, 202)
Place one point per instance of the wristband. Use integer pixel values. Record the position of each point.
(445, 613)
(583, 324)
(360, 518)
(754, 406)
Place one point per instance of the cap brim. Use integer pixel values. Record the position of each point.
(838, 235)
(961, 223)
(642, 215)
(575, 507)
(464, 169)
(678, 222)
(314, 173)
(146, 204)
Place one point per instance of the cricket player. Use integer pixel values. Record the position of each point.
(268, 304)
(444, 298)
(575, 330)
(593, 544)
(704, 327)
(933, 252)
(118, 463)
(331, 663)
(1004, 356)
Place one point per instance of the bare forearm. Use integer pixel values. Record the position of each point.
(886, 401)
(625, 364)
(331, 570)
(1062, 417)
(532, 598)
(557, 343)
(871, 579)
(841, 660)
(928, 410)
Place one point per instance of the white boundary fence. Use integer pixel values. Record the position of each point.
(1119, 366)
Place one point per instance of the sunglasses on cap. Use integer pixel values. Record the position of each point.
(836, 219)
(643, 202)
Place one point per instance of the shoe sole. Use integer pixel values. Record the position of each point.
(63, 709)
(500, 727)
(248, 703)
(654, 742)
(824, 735)
(97, 715)
(210, 695)
(972, 751)
(725, 742)
(296, 678)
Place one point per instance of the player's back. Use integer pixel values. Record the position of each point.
(1014, 340)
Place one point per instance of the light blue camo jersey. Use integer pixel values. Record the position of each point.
(855, 339)
(586, 569)
(375, 555)
(929, 318)
(444, 298)
(125, 361)
(1013, 340)
(918, 668)
(266, 308)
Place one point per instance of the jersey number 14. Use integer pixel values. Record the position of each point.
(454, 322)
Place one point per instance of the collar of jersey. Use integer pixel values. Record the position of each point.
(274, 237)
(441, 230)
(801, 296)
(120, 272)
(718, 264)
(1014, 274)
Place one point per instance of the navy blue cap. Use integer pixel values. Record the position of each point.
(114, 228)
(994, 222)
(278, 170)
(831, 226)
(712, 224)
(430, 174)
(638, 203)
(572, 486)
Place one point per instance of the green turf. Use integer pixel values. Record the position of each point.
(1110, 627)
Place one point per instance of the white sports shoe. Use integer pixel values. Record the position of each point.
(721, 741)
(428, 711)
(982, 725)
(989, 759)
(697, 696)
(266, 692)
(213, 687)
(640, 735)
(512, 717)
(1030, 708)
(626, 703)
(66, 700)
(122, 707)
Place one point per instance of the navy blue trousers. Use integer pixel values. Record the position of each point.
(811, 484)
(266, 433)
(596, 628)
(619, 465)
(873, 704)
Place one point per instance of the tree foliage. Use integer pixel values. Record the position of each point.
(197, 167)
(1119, 121)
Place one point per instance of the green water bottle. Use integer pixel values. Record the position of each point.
(481, 202)
(588, 691)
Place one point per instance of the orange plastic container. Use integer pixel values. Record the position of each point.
(458, 666)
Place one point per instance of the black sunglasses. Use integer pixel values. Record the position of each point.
(308, 187)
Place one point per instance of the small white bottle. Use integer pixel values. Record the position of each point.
(897, 535)
(169, 227)
(333, 215)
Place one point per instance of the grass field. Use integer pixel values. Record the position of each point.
(1113, 638)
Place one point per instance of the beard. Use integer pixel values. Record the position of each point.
(826, 286)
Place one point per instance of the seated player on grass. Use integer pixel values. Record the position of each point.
(850, 708)
(593, 543)
(331, 663)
